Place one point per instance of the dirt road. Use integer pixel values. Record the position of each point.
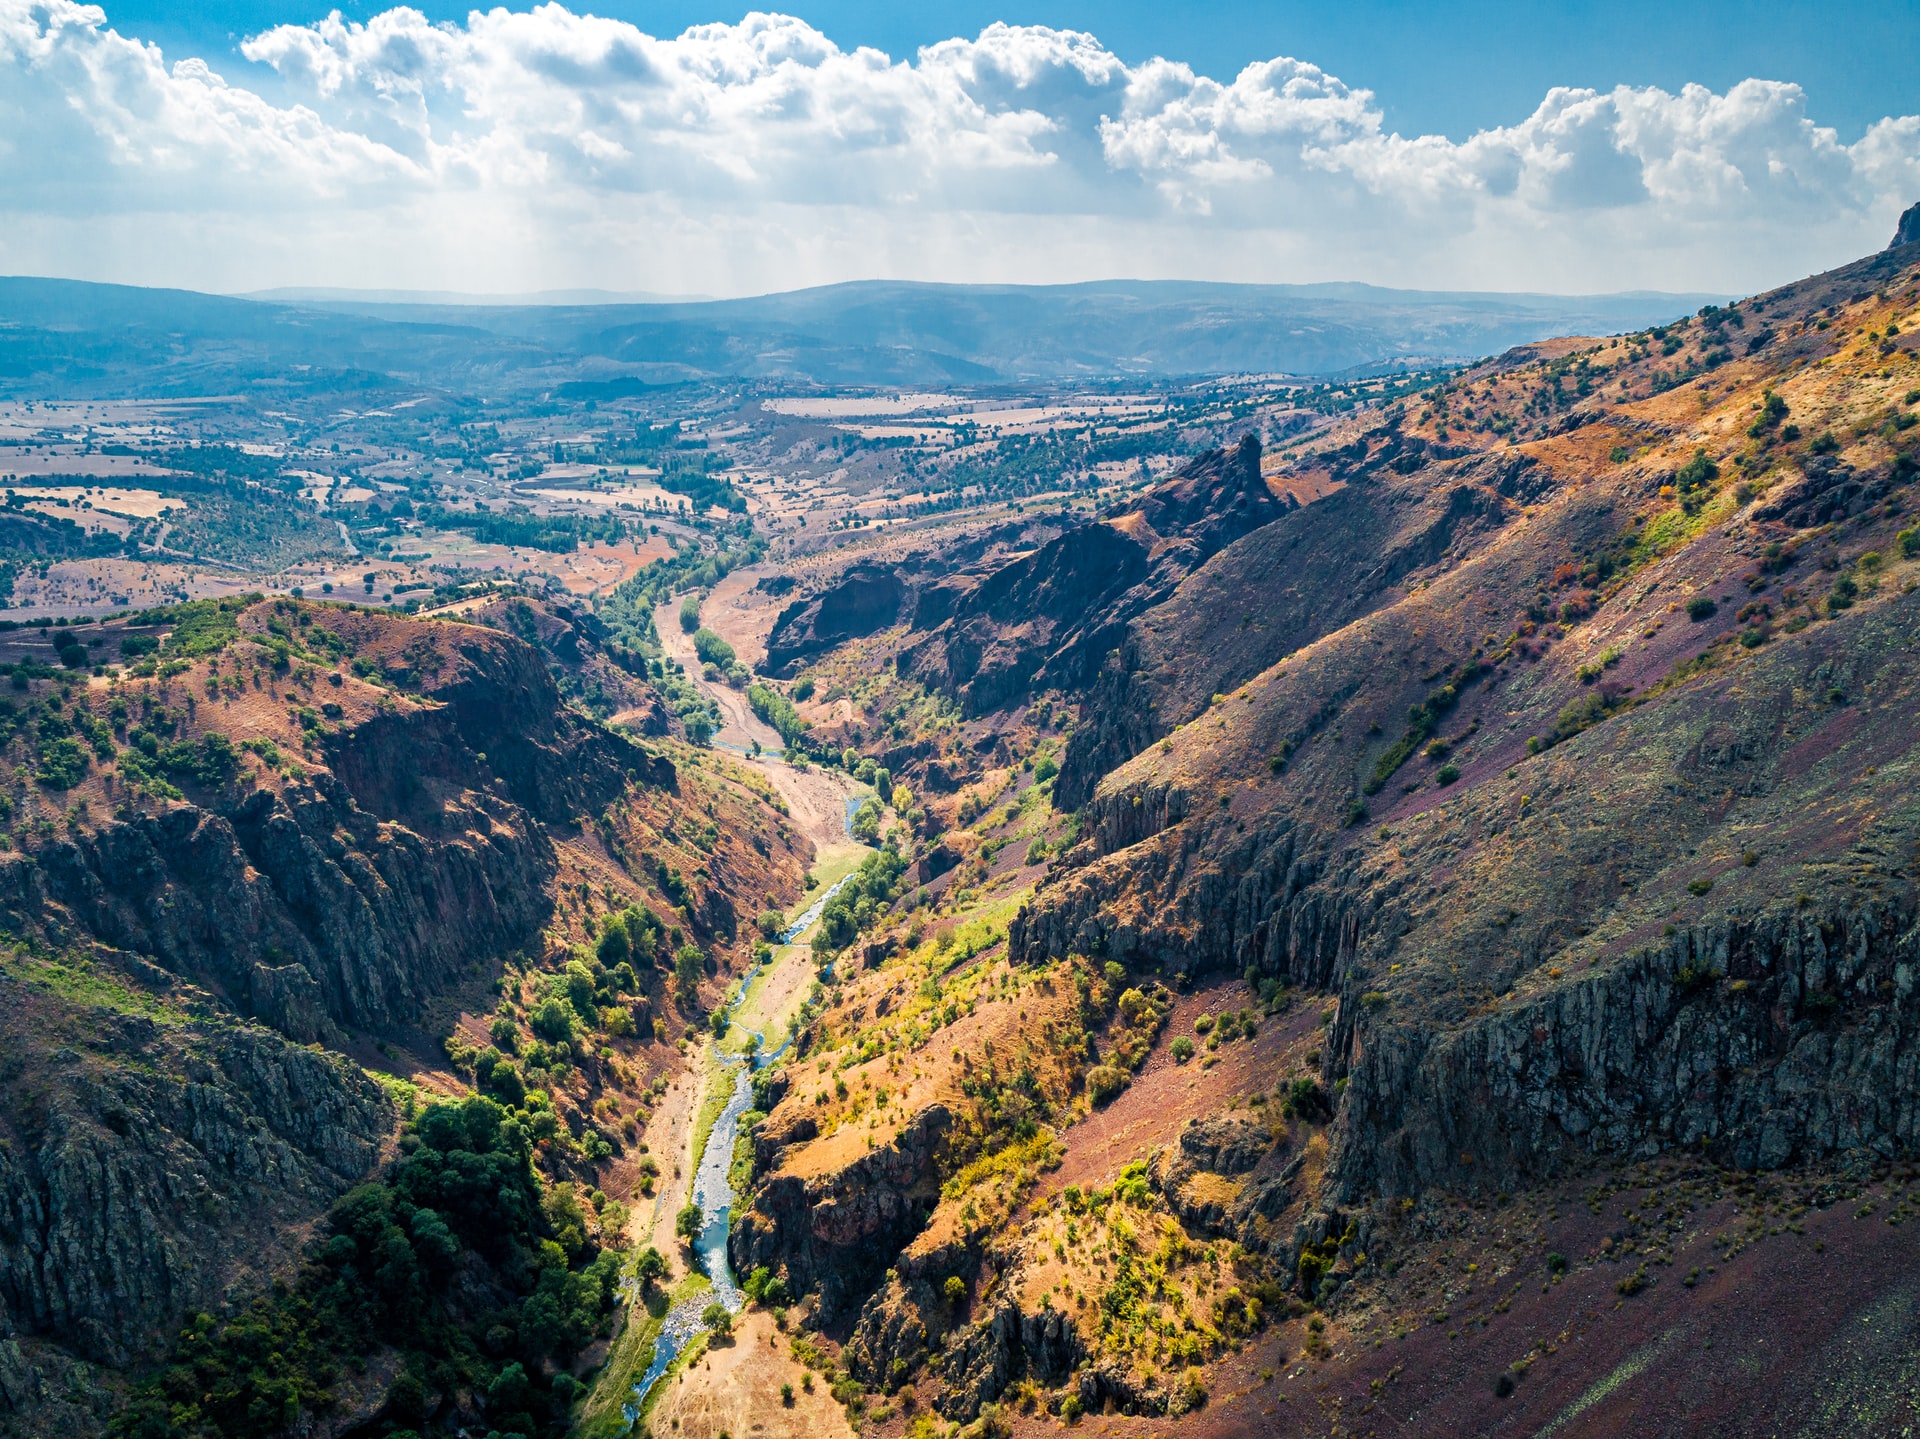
(816, 798)
(740, 728)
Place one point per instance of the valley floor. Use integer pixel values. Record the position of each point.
(734, 1383)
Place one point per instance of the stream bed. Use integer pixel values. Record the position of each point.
(712, 1185)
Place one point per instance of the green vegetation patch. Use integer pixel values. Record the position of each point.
(81, 982)
(382, 1275)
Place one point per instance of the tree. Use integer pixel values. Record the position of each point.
(712, 649)
(689, 968)
(690, 613)
(615, 946)
(716, 1318)
(689, 1222)
(650, 1267)
(553, 1020)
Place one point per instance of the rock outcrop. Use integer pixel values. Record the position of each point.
(864, 600)
(1907, 232)
(149, 1161)
(1047, 618)
(300, 907)
(835, 1234)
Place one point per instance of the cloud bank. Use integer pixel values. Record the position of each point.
(544, 148)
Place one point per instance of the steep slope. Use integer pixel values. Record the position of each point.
(299, 839)
(1524, 834)
(1644, 678)
(1043, 621)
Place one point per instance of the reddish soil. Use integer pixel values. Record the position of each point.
(1816, 1333)
(1164, 1095)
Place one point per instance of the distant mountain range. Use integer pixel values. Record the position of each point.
(333, 295)
(68, 337)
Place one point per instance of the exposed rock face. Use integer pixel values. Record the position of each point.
(1226, 1177)
(1762, 1041)
(1576, 958)
(1007, 1346)
(1047, 618)
(152, 1163)
(606, 679)
(501, 717)
(835, 1235)
(1907, 232)
(865, 600)
(348, 899)
(301, 907)
(897, 1326)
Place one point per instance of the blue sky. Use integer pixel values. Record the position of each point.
(1576, 148)
(1446, 69)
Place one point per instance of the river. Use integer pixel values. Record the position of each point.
(712, 1185)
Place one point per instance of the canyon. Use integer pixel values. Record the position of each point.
(1404, 916)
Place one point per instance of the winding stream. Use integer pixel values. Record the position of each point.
(712, 1187)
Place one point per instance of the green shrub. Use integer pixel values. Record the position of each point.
(1696, 473)
(1104, 1083)
(1305, 1099)
(614, 946)
(63, 764)
(1044, 769)
(1701, 607)
(1446, 774)
(553, 1019)
(1182, 1050)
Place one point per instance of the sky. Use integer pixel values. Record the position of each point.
(677, 147)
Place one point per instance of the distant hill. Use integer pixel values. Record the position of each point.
(334, 295)
(66, 337)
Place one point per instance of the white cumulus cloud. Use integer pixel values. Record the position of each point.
(542, 147)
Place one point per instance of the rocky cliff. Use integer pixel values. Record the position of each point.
(1047, 618)
(154, 1157)
(312, 826)
(834, 1233)
(1598, 823)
